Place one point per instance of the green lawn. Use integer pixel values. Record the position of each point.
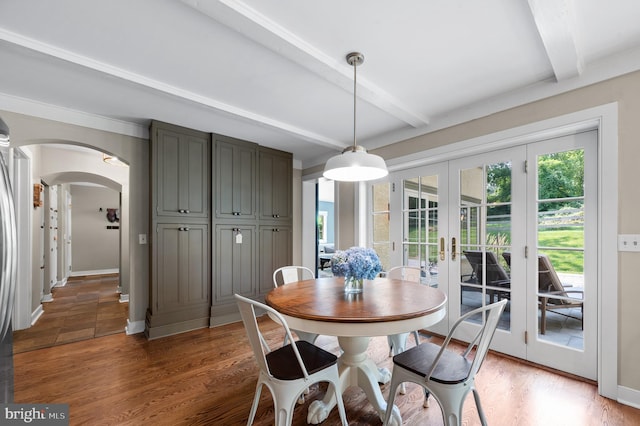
(562, 260)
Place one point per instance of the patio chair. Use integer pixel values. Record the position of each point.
(446, 373)
(495, 275)
(564, 299)
(288, 370)
(289, 274)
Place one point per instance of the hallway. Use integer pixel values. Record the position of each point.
(85, 308)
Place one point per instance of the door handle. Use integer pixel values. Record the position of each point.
(442, 248)
(454, 248)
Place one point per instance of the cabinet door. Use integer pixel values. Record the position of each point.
(276, 180)
(275, 251)
(181, 277)
(235, 262)
(181, 173)
(235, 178)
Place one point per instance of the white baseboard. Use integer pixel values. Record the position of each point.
(134, 327)
(124, 298)
(61, 283)
(47, 298)
(35, 315)
(95, 272)
(628, 396)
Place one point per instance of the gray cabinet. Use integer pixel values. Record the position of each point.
(180, 239)
(181, 269)
(180, 170)
(275, 184)
(236, 173)
(275, 248)
(234, 263)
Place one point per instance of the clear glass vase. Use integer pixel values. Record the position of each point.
(353, 285)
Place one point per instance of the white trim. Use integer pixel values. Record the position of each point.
(46, 298)
(628, 396)
(124, 298)
(134, 327)
(94, 272)
(35, 315)
(608, 252)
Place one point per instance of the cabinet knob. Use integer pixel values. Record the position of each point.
(275, 216)
(275, 230)
(236, 213)
(183, 228)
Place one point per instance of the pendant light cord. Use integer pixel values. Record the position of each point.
(355, 64)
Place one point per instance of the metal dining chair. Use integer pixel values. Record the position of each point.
(288, 370)
(446, 373)
(398, 342)
(289, 274)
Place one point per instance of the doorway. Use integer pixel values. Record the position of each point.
(477, 227)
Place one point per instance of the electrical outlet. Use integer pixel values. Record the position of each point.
(142, 238)
(628, 242)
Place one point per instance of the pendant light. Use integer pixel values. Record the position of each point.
(355, 164)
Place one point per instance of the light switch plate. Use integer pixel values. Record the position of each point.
(628, 242)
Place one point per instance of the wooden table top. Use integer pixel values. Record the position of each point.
(383, 300)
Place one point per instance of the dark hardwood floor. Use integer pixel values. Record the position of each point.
(208, 377)
(85, 308)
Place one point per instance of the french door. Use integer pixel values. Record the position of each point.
(492, 226)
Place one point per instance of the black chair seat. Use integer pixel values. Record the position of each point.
(453, 368)
(283, 364)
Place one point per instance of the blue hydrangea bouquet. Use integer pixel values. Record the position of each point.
(355, 264)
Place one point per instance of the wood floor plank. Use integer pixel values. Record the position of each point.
(208, 377)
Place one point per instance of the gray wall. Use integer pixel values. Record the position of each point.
(94, 246)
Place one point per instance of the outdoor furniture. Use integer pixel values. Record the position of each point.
(288, 370)
(445, 373)
(549, 284)
(495, 275)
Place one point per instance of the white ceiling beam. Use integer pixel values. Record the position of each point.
(160, 86)
(556, 25)
(250, 23)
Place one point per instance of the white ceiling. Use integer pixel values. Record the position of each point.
(274, 71)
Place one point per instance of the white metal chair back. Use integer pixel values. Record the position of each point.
(284, 382)
(406, 273)
(445, 373)
(289, 274)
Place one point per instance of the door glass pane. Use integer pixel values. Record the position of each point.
(485, 237)
(381, 239)
(420, 230)
(560, 232)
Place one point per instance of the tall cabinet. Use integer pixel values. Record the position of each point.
(180, 238)
(221, 215)
(253, 210)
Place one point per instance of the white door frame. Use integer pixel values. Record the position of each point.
(605, 119)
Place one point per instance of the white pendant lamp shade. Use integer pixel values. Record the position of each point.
(355, 164)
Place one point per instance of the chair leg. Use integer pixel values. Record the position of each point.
(254, 406)
(393, 387)
(476, 396)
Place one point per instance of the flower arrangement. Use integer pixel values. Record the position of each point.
(355, 264)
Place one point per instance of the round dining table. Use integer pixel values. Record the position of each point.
(385, 307)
